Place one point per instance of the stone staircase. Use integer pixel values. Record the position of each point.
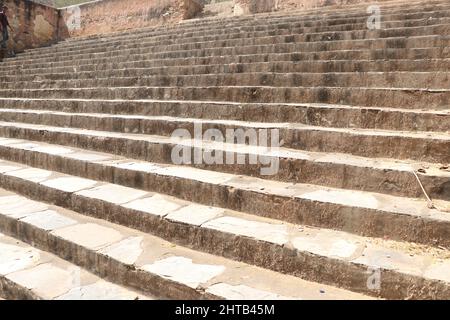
(93, 206)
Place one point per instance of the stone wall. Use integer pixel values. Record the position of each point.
(35, 25)
(259, 6)
(115, 15)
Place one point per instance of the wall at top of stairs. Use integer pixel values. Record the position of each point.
(35, 25)
(108, 16)
(260, 6)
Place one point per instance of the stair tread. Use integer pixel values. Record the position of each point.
(351, 198)
(159, 258)
(387, 254)
(41, 275)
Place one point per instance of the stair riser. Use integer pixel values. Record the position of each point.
(407, 99)
(303, 139)
(337, 117)
(364, 221)
(291, 25)
(375, 80)
(184, 68)
(290, 261)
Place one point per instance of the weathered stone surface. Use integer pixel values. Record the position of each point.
(242, 292)
(35, 25)
(100, 290)
(183, 270)
(259, 230)
(89, 235)
(195, 214)
(48, 220)
(19, 207)
(14, 258)
(156, 205)
(113, 193)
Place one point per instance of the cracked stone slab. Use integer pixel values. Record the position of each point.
(113, 193)
(242, 292)
(183, 270)
(330, 244)
(195, 174)
(70, 184)
(390, 259)
(31, 174)
(157, 205)
(19, 207)
(88, 156)
(273, 233)
(101, 290)
(6, 167)
(343, 197)
(47, 280)
(439, 270)
(54, 150)
(90, 235)
(48, 220)
(139, 166)
(126, 251)
(14, 258)
(195, 214)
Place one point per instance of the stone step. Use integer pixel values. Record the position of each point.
(286, 32)
(234, 55)
(323, 115)
(375, 39)
(329, 12)
(27, 273)
(429, 13)
(294, 26)
(325, 256)
(397, 48)
(403, 98)
(387, 176)
(419, 146)
(223, 65)
(363, 213)
(142, 261)
(429, 80)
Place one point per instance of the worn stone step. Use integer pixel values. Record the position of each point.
(403, 98)
(364, 213)
(429, 80)
(285, 27)
(31, 274)
(433, 36)
(330, 12)
(289, 33)
(338, 116)
(248, 55)
(420, 146)
(325, 256)
(392, 177)
(185, 67)
(146, 262)
(311, 16)
(435, 12)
